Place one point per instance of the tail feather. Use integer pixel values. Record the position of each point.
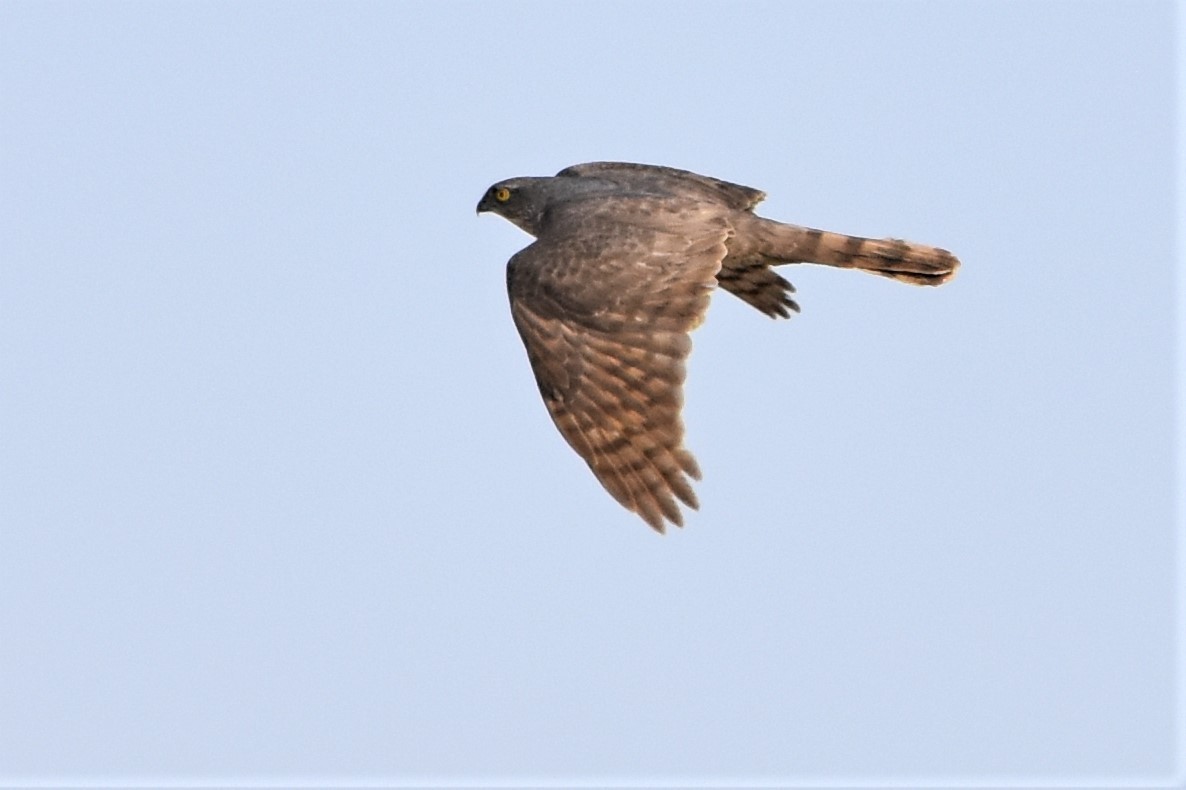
(906, 261)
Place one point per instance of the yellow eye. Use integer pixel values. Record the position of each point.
(502, 194)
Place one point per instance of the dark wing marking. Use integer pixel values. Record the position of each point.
(752, 279)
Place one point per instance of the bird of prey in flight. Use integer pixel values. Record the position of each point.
(624, 260)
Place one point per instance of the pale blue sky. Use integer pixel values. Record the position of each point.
(279, 501)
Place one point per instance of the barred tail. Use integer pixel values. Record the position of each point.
(912, 263)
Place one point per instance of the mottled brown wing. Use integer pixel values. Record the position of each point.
(752, 279)
(669, 181)
(604, 304)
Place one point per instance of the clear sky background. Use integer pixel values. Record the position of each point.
(279, 501)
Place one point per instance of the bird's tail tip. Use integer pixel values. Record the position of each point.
(917, 264)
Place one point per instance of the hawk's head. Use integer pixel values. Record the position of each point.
(520, 200)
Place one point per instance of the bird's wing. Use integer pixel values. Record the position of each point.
(604, 301)
(669, 181)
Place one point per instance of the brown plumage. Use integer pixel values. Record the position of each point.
(624, 261)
